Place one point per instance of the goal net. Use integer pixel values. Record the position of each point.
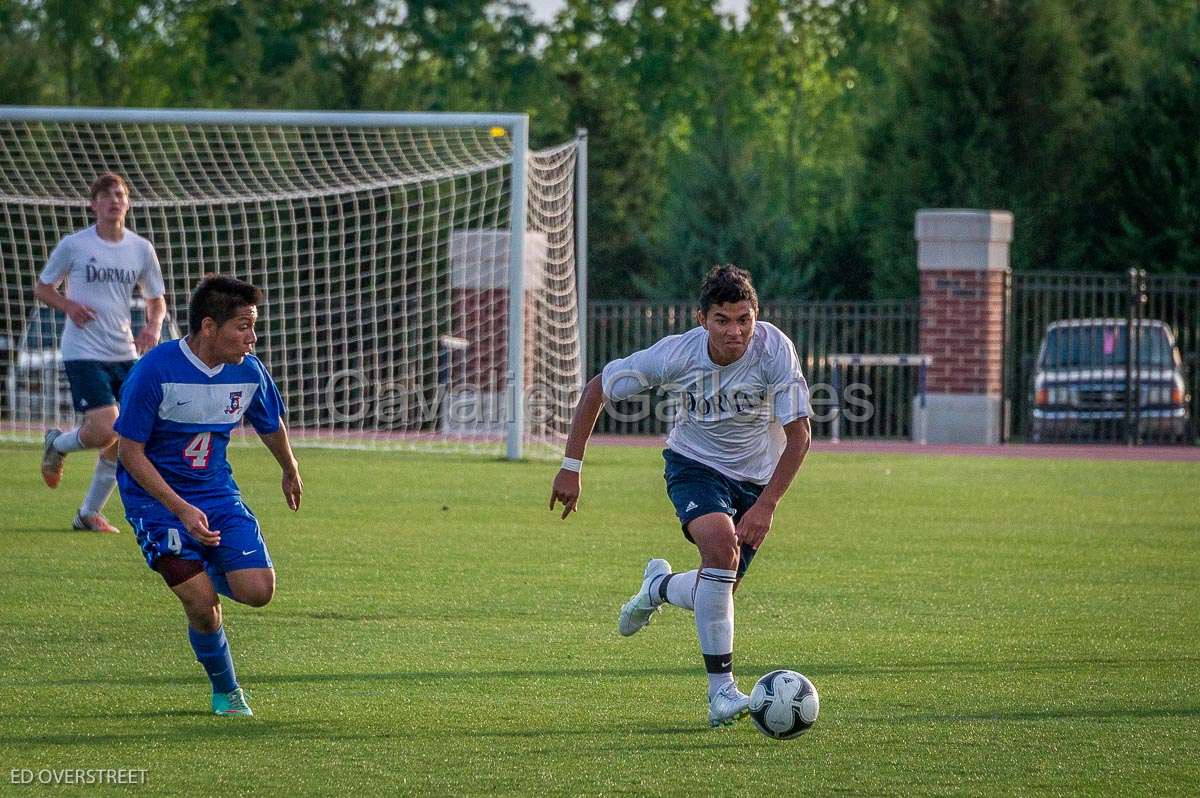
(385, 244)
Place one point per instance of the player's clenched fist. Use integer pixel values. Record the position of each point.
(566, 490)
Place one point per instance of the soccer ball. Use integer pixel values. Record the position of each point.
(784, 704)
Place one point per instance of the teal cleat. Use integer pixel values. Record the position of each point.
(231, 704)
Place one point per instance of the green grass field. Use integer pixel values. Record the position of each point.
(974, 626)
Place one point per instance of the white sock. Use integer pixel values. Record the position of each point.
(716, 681)
(104, 479)
(714, 622)
(69, 442)
(681, 590)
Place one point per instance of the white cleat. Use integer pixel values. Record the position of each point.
(638, 611)
(52, 459)
(727, 705)
(93, 522)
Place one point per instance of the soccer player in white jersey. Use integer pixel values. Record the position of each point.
(741, 434)
(101, 265)
(177, 409)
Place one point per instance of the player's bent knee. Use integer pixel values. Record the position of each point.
(254, 588)
(720, 554)
(259, 597)
(725, 558)
(97, 436)
(716, 538)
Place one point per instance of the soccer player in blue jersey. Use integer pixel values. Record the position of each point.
(178, 406)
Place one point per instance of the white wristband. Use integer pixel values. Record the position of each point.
(571, 464)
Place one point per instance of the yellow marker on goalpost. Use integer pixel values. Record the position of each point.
(497, 132)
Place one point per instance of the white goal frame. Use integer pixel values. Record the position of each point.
(517, 126)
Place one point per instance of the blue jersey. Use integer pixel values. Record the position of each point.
(183, 411)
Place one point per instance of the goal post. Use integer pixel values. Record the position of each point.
(419, 269)
(516, 304)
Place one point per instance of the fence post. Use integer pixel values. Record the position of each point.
(1133, 356)
(835, 435)
(962, 258)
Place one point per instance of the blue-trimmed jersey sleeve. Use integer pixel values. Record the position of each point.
(141, 396)
(266, 408)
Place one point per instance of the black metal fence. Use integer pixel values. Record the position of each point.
(1109, 358)
(881, 396)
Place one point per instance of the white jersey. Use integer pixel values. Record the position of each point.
(101, 274)
(728, 417)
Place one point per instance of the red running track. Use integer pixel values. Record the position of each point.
(1085, 451)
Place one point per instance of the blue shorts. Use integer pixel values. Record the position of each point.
(696, 489)
(242, 546)
(96, 383)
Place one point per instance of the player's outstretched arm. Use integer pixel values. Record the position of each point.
(756, 523)
(567, 485)
(133, 456)
(281, 447)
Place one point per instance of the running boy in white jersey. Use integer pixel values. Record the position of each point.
(100, 265)
(740, 437)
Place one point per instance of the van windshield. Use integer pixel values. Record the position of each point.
(1104, 346)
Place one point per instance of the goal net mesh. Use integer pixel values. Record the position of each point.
(383, 254)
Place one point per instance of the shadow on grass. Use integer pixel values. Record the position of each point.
(399, 677)
(214, 728)
(63, 530)
(193, 723)
(1125, 713)
(814, 670)
(817, 669)
(697, 730)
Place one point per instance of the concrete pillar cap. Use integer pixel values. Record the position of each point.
(963, 224)
(950, 239)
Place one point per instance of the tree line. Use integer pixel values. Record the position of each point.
(798, 140)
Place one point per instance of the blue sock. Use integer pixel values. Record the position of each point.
(212, 651)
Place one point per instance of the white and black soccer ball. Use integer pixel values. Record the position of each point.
(784, 704)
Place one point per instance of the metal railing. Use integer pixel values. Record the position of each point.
(819, 330)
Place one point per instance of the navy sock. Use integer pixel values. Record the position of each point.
(212, 651)
(661, 588)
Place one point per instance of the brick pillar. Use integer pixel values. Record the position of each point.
(962, 257)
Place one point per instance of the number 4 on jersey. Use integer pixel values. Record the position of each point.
(198, 450)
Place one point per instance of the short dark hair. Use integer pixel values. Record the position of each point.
(219, 298)
(106, 180)
(727, 283)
